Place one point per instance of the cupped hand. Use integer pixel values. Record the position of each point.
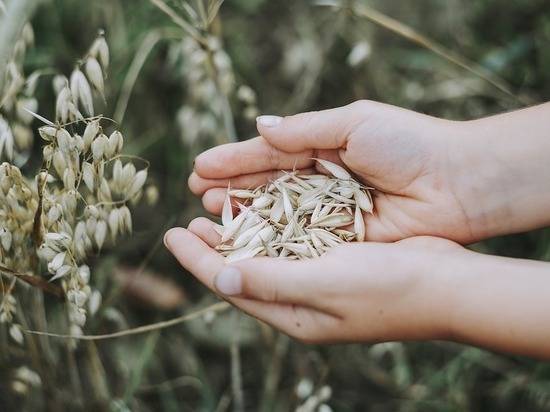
(366, 292)
(412, 159)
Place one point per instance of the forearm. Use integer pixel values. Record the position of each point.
(500, 303)
(503, 178)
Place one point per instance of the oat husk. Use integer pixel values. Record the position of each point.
(295, 216)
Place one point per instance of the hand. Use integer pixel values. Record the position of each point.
(463, 181)
(415, 289)
(357, 292)
(405, 155)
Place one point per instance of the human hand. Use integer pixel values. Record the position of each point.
(420, 288)
(463, 181)
(405, 155)
(366, 292)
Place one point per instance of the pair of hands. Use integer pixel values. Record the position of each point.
(436, 180)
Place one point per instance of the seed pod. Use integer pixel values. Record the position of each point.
(80, 230)
(277, 211)
(105, 191)
(115, 221)
(100, 233)
(5, 239)
(84, 274)
(46, 253)
(62, 104)
(63, 139)
(363, 200)
(359, 225)
(54, 213)
(137, 183)
(91, 131)
(117, 175)
(94, 302)
(126, 218)
(128, 174)
(47, 133)
(57, 262)
(91, 224)
(69, 179)
(88, 175)
(334, 220)
(100, 50)
(59, 163)
(245, 237)
(80, 90)
(91, 211)
(262, 202)
(334, 169)
(115, 144)
(227, 210)
(234, 226)
(243, 194)
(263, 236)
(98, 147)
(79, 298)
(95, 74)
(287, 205)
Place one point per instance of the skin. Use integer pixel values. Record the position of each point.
(435, 179)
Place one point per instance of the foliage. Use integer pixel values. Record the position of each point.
(177, 89)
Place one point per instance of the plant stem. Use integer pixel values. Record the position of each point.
(18, 12)
(236, 370)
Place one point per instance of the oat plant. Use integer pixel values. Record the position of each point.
(78, 201)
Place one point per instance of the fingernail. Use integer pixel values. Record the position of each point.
(269, 121)
(228, 282)
(168, 237)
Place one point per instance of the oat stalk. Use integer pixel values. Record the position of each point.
(216, 307)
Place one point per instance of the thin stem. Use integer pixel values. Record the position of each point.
(414, 36)
(148, 44)
(236, 369)
(217, 307)
(188, 28)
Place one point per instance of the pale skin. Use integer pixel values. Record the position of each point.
(440, 184)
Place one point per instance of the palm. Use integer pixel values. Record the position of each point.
(415, 194)
(406, 160)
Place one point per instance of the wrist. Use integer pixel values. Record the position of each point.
(499, 303)
(435, 295)
(499, 169)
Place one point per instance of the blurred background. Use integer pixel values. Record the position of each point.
(187, 75)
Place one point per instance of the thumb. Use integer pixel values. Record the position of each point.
(268, 279)
(326, 129)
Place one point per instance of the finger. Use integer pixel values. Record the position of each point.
(204, 263)
(327, 129)
(194, 255)
(205, 229)
(251, 156)
(272, 280)
(213, 199)
(200, 185)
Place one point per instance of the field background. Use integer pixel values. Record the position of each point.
(294, 56)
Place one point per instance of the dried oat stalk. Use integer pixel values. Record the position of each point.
(295, 216)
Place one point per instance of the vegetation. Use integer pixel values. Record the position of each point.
(185, 75)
